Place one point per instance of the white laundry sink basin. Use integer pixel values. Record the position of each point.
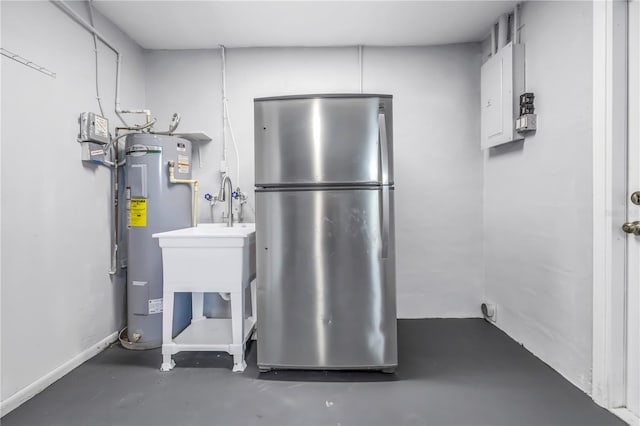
(208, 231)
(224, 225)
(210, 252)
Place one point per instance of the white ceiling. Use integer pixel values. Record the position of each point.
(207, 24)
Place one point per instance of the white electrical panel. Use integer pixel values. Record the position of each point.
(501, 84)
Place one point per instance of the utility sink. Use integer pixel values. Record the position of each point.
(210, 230)
(210, 251)
(208, 258)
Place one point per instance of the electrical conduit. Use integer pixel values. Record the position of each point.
(118, 111)
(87, 26)
(225, 119)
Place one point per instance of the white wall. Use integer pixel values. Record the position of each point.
(438, 167)
(57, 297)
(538, 199)
(188, 82)
(438, 161)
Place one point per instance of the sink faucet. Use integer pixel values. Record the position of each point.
(221, 197)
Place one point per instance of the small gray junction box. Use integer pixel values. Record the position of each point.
(93, 128)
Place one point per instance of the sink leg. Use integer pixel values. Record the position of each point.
(197, 306)
(254, 309)
(237, 330)
(167, 328)
(254, 300)
(167, 363)
(238, 363)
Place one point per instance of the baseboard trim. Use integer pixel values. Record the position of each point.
(584, 386)
(626, 415)
(28, 392)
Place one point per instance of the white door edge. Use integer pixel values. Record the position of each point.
(609, 351)
(633, 214)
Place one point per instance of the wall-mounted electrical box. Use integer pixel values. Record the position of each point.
(93, 136)
(501, 84)
(93, 128)
(92, 152)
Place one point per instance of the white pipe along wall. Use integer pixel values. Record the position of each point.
(56, 224)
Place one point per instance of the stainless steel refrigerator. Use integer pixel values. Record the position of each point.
(325, 232)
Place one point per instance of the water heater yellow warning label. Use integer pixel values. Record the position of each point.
(138, 212)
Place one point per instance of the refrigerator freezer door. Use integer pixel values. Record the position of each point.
(326, 296)
(322, 141)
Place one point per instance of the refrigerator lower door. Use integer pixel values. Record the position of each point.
(326, 295)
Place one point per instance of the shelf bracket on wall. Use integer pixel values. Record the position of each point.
(26, 62)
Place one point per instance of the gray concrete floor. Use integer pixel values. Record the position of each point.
(451, 372)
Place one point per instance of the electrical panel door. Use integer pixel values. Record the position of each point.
(502, 82)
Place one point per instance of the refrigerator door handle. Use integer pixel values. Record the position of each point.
(384, 148)
(384, 171)
(384, 221)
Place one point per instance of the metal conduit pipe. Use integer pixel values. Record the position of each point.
(115, 235)
(115, 213)
(115, 199)
(80, 20)
(516, 24)
(194, 189)
(95, 51)
(87, 26)
(118, 111)
(223, 72)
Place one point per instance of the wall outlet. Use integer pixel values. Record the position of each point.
(489, 311)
